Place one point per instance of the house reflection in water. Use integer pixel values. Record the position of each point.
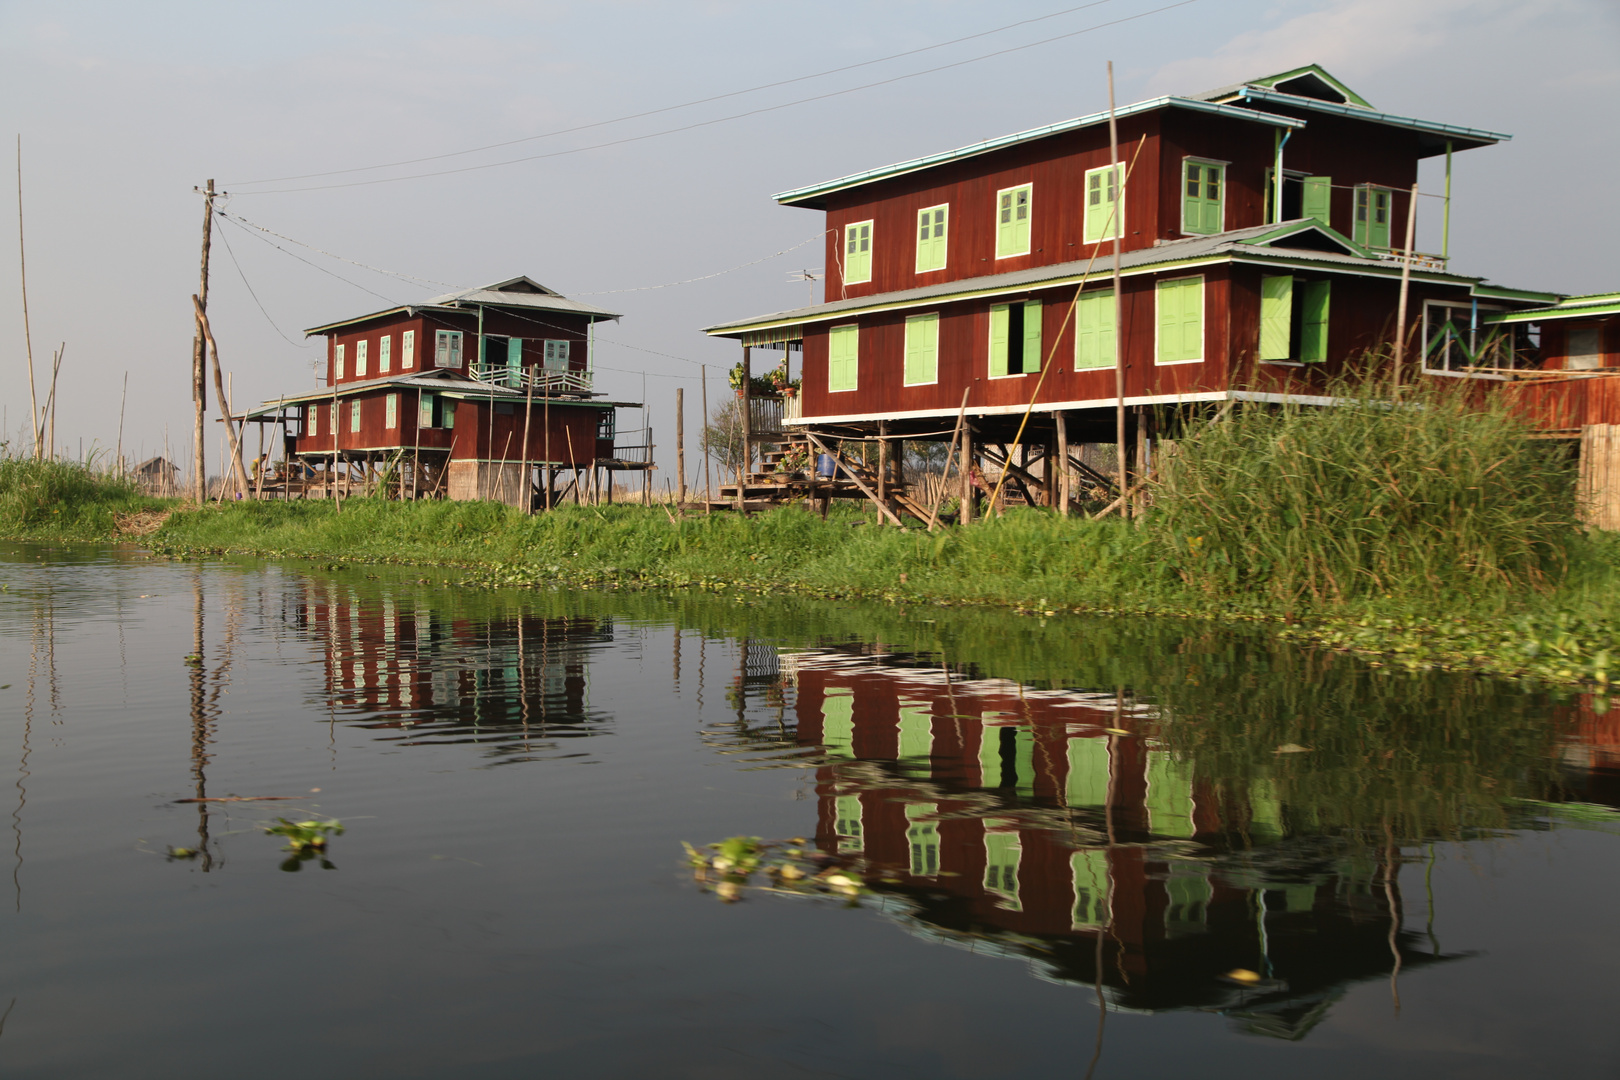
(1032, 823)
(423, 675)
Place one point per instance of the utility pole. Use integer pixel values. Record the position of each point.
(199, 364)
(1119, 299)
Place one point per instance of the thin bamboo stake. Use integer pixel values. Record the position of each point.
(528, 415)
(1406, 284)
(224, 402)
(939, 497)
(35, 420)
(868, 492)
(1119, 294)
(50, 400)
(118, 454)
(708, 480)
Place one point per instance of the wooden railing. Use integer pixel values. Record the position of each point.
(544, 380)
(765, 415)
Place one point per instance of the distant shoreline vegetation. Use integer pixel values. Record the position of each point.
(1432, 534)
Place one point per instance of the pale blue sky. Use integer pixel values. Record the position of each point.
(124, 107)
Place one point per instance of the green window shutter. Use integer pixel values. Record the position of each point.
(354, 416)
(1276, 317)
(1088, 772)
(1102, 195)
(391, 412)
(1012, 222)
(931, 230)
(843, 358)
(1313, 344)
(998, 340)
(1181, 320)
(1032, 336)
(1382, 206)
(922, 349)
(360, 358)
(514, 363)
(385, 353)
(1201, 184)
(407, 348)
(858, 253)
(337, 362)
(1094, 330)
(1319, 198)
(424, 411)
(447, 407)
(332, 418)
(838, 724)
(1358, 225)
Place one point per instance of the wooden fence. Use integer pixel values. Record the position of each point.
(1600, 476)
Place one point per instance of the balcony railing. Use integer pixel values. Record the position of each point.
(545, 381)
(1419, 260)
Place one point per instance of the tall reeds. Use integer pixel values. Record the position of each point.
(1444, 495)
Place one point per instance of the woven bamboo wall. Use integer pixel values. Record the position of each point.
(1600, 476)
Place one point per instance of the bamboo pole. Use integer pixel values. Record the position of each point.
(1119, 296)
(956, 433)
(680, 440)
(708, 478)
(199, 361)
(224, 400)
(50, 400)
(964, 515)
(1062, 461)
(868, 492)
(35, 420)
(747, 433)
(118, 454)
(528, 414)
(1406, 285)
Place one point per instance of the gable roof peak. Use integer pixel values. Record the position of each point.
(1311, 81)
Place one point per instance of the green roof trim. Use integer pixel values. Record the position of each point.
(1321, 73)
(1572, 307)
(1294, 228)
(1456, 132)
(811, 194)
(1500, 292)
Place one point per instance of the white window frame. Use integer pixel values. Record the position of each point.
(1432, 323)
(1203, 320)
(1193, 159)
(1119, 207)
(447, 344)
(871, 251)
(1030, 244)
(926, 316)
(337, 362)
(385, 354)
(407, 350)
(361, 348)
(944, 207)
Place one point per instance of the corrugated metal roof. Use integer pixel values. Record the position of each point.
(1453, 132)
(1260, 241)
(1571, 307)
(810, 196)
(495, 295)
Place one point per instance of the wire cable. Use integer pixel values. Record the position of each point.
(668, 108)
(240, 220)
(322, 269)
(718, 273)
(722, 119)
(223, 235)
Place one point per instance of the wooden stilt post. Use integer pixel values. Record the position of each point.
(883, 464)
(199, 366)
(680, 441)
(965, 516)
(528, 414)
(1062, 462)
(1406, 284)
(550, 472)
(747, 433)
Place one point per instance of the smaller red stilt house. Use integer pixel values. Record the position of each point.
(465, 396)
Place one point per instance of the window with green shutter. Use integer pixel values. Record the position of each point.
(843, 358)
(424, 410)
(514, 363)
(1276, 317)
(922, 349)
(1104, 207)
(312, 420)
(1094, 330)
(332, 418)
(407, 350)
(447, 348)
(554, 355)
(1087, 783)
(391, 412)
(857, 253)
(1318, 199)
(385, 353)
(1374, 207)
(931, 224)
(1203, 191)
(1012, 221)
(1313, 321)
(1015, 339)
(337, 361)
(360, 358)
(354, 415)
(1180, 310)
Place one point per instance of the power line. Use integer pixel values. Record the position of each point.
(669, 108)
(717, 273)
(228, 250)
(722, 119)
(240, 220)
(306, 262)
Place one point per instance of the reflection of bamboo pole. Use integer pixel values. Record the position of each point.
(199, 722)
(1392, 898)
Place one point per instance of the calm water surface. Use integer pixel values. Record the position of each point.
(1419, 871)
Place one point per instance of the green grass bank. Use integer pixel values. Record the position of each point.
(1434, 533)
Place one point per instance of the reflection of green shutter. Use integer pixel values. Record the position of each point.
(998, 340)
(1169, 797)
(1090, 871)
(1024, 762)
(843, 359)
(1094, 330)
(989, 757)
(1032, 336)
(922, 349)
(838, 724)
(1188, 907)
(1276, 316)
(1088, 771)
(916, 740)
(1265, 812)
(1313, 332)
(1299, 898)
(1318, 201)
(1002, 853)
(923, 838)
(848, 823)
